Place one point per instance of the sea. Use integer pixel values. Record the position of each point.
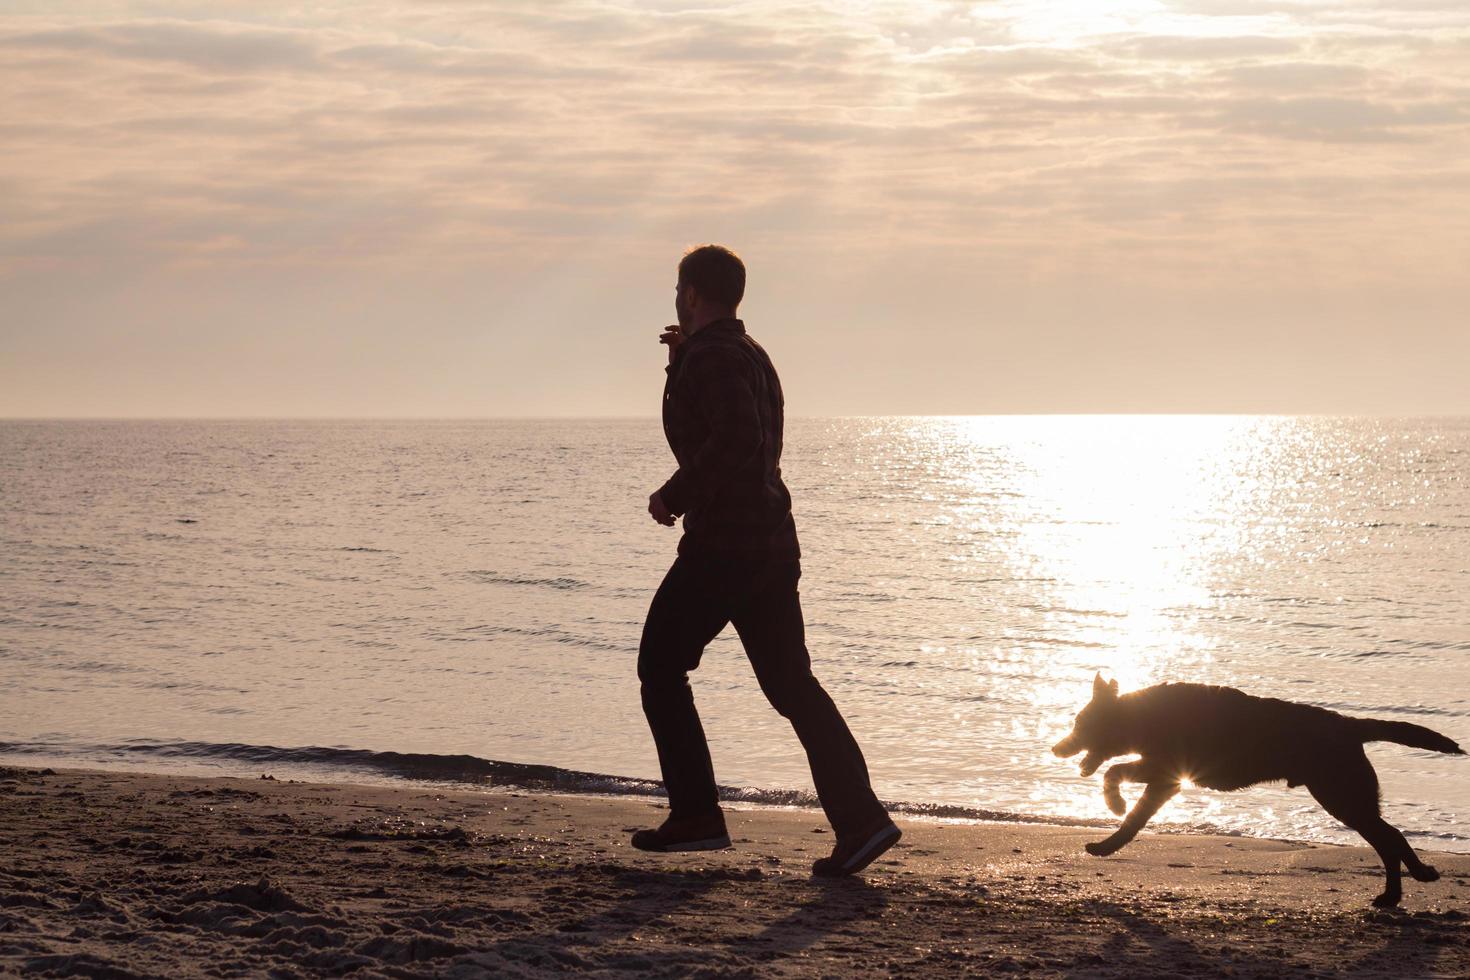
(461, 601)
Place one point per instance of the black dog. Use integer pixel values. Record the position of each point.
(1221, 738)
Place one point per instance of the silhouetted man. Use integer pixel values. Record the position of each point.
(738, 563)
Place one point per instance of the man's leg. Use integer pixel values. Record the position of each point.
(686, 614)
(770, 624)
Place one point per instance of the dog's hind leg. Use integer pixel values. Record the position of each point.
(1395, 838)
(1351, 795)
(1154, 796)
(1416, 867)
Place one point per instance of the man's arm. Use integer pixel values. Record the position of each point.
(726, 401)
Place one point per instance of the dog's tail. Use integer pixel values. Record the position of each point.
(1375, 730)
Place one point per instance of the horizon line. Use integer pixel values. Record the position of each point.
(655, 417)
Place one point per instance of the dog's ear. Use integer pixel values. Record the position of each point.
(1102, 688)
(1113, 686)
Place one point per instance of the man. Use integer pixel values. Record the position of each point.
(738, 562)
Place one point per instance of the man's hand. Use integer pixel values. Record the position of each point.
(658, 511)
(673, 338)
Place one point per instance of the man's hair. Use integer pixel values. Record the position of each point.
(715, 272)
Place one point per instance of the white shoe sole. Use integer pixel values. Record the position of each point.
(876, 845)
(872, 849)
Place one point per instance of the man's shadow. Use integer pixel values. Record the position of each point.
(826, 906)
(1405, 953)
(655, 901)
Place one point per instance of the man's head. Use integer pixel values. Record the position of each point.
(711, 286)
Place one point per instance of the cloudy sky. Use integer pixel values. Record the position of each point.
(475, 208)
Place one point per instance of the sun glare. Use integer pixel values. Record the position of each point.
(1125, 520)
(1120, 527)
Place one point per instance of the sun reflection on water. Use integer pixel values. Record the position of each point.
(1119, 524)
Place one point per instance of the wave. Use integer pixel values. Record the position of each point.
(1069, 611)
(401, 765)
(473, 770)
(541, 633)
(1389, 710)
(561, 583)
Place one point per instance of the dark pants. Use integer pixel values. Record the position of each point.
(698, 597)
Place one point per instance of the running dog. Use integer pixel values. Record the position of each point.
(1221, 738)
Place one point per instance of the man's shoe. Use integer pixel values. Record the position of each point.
(854, 853)
(704, 833)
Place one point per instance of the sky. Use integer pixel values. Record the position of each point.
(475, 209)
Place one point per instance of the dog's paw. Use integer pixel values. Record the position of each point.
(1099, 848)
(1387, 901)
(1424, 873)
(1114, 799)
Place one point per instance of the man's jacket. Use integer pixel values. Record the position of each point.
(723, 416)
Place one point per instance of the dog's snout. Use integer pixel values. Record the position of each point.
(1065, 747)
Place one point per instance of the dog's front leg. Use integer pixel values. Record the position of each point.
(1154, 796)
(1112, 780)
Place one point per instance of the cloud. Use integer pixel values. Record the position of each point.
(1405, 15)
(525, 168)
(1337, 119)
(1295, 76)
(208, 47)
(280, 132)
(1195, 48)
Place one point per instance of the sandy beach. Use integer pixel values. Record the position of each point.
(108, 874)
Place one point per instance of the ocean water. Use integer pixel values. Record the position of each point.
(463, 600)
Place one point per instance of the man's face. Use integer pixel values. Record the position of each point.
(683, 295)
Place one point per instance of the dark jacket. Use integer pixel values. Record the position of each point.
(723, 416)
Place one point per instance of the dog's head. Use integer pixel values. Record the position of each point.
(1095, 729)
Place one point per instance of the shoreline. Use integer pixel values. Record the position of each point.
(120, 874)
(472, 774)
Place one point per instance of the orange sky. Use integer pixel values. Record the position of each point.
(475, 209)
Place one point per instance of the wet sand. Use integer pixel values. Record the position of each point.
(123, 875)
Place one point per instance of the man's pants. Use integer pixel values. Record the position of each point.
(698, 597)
